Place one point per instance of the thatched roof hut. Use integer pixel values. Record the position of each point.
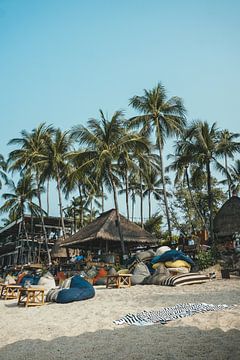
(227, 220)
(102, 233)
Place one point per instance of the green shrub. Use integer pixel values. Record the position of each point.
(205, 259)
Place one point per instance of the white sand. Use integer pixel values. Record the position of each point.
(85, 329)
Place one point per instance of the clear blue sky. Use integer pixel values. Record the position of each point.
(62, 60)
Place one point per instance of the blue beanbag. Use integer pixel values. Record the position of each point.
(79, 282)
(75, 294)
(172, 255)
(33, 280)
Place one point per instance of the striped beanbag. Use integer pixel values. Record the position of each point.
(184, 279)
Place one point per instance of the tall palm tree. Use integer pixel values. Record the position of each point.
(227, 147)
(55, 164)
(180, 165)
(28, 159)
(153, 186)
(20, 200)
(166, 117)
(202, 146)
(234, 172)
(3, 169)
(105, 140)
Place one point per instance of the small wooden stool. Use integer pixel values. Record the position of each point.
(2, 290)
(11, 291)
(31, 296)
(119, 280)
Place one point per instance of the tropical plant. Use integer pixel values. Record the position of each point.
(28, 159)
(105, 140)
(3, 169)
(166, 117)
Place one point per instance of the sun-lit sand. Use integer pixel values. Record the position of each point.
(85, 329)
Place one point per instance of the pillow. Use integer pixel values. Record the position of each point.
(52, 295)
(172, 255)
(145, 255)
(140, 272)
(162, 250)
(75, 294)
(177, 264)
(184, 279)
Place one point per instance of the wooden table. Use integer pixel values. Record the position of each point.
(9, 291)
(119, 280)
(31, 296)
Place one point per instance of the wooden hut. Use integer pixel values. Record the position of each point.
(102, 235)
(227, 221)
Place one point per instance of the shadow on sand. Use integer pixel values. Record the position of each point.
(132, 343)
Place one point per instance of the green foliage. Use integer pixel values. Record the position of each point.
(205, 259)
(153, 225)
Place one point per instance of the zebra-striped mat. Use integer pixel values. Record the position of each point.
(167, 314)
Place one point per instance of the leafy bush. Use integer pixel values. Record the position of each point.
(205, 259)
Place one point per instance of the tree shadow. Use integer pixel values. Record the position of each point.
(131, 342)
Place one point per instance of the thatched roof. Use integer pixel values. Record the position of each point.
(227, 220)
(105, 228)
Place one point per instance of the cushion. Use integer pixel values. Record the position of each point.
(177, 264)
(79, 282)
(145, 255)
(162, 250)
(184, 279)
(75, 294)
(172, 255)
(140, 272)
(52, 294)
(66, 283)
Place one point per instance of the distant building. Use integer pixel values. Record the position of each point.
(21, 244)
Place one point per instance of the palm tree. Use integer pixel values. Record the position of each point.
(20, 200)
(105, 140)
(3, 169)
(180, 165)
(166, 117)
(202, 147)
(227, 147)
(29, 159)
(153, 186)
(55, 164)
(234, 171)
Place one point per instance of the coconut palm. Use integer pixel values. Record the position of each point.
(234, 172)
(164, 116)
(227, 147)
(3, 169)
(202, 148)
(55, 163)
(20, 200)
(28, 159)
(105, 140)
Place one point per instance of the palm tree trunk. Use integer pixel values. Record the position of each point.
(133, 204)
(81, 205)
(149, 205)
(228, 180)
(209, 188)
(163, 180)
(42, 220)
(126, 193)
(117, 214)
(102, 197)
(48, 182)
(60, 204)
(141, 198)
(193, 200)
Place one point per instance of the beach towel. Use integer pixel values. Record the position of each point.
(167, 314)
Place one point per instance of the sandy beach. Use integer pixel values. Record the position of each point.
(85, 329)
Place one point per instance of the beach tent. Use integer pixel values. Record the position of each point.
(103, 234)
(227, 221)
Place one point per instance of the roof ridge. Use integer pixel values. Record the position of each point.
(107, 221)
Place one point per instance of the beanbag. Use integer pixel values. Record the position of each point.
(66, 283)
(47, 281)
(184, 279)
(145, 255)
(156, 265)
(79, 282)
(75, 294)
(140, 272)
(172, 255)
(52, 295)
(101, 277)
(178, 270)
(162, 250)
(177, 264)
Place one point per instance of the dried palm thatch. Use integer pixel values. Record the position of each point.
(227, 220)
(105, 228)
